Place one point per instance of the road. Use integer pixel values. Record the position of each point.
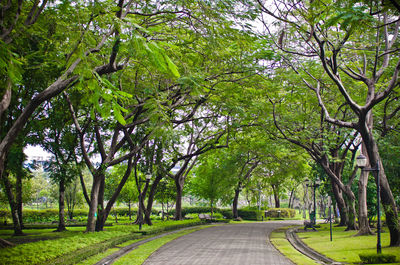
(244, 244)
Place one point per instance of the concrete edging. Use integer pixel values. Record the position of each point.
(300, 246)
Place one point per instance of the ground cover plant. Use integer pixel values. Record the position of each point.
(345, 246)
(278, 239)
(140, 254)
(71, 242)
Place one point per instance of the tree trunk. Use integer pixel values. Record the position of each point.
(305, 201)
(352, 220)
(212, 208)
(105, 212)
(390, 208)
(362, 205)
(4, 243)
(101, 213)
(150, 199)
(14, 210)
(178, 201)
(139, 214)
(291, 198)
(387, 199)
(341, 204)
(129, 210)
(85, 194)
(91, 222)
(275, 189)
(235, 202)
(61, 207)
(18, 189)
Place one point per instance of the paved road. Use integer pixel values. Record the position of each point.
(244, 244)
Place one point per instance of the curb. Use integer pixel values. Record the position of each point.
(300, 246)
(116, 255)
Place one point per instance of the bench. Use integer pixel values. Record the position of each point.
(205, 217)
(308, 224)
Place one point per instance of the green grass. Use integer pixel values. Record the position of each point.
(278, 239)
(140, 254)
(345, 247)
(62, 249)
(94, 259)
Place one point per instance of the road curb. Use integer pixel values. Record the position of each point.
(125, 250)
(300, 246)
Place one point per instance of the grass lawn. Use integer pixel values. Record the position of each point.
(72, 246)
(278, 239)
(345, 247)
(140, 254)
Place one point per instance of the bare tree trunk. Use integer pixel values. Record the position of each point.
(235, 202)
(18, 189)
(275, 189)
(352, 221)
(362, 205)
(4, 243)
(129, 210)
(305, 201)
(91, 222)
(178, 201)
(150, 199)
(14, 210)
(291, 198)
(341, 204)
(101, 214)
(104, 213)
(61, 207)
(387, 199)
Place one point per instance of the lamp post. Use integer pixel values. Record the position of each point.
(314, 185)
(361, 163)
(148, 177)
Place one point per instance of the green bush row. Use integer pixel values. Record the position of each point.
(281, 212)
(49, 215)
(45, 215)
(377, 258)
(246, 213)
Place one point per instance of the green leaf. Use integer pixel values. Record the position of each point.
(172, 67)
(117, 113)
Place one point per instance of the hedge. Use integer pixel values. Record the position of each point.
(284, 213)
(49, 215)
(377, 258)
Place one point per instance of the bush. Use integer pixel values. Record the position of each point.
(227, 213)
(250, 214)
(194, 211)
(284, 213)
(377, 258)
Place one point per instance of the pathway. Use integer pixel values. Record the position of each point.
(223, 245)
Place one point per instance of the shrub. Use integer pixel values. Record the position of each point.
(377, 258)
(250, 214)
(227, 213)
(284, 213)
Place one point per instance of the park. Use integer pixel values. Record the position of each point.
(200, 132)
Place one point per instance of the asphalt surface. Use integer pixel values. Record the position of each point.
(242, 244)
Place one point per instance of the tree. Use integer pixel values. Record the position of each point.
(34, 34)
(73, 196)
(166, 195)
(209, 181)
(324, 32)
(59, 139)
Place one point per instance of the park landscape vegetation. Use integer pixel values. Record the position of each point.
(146, 102)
